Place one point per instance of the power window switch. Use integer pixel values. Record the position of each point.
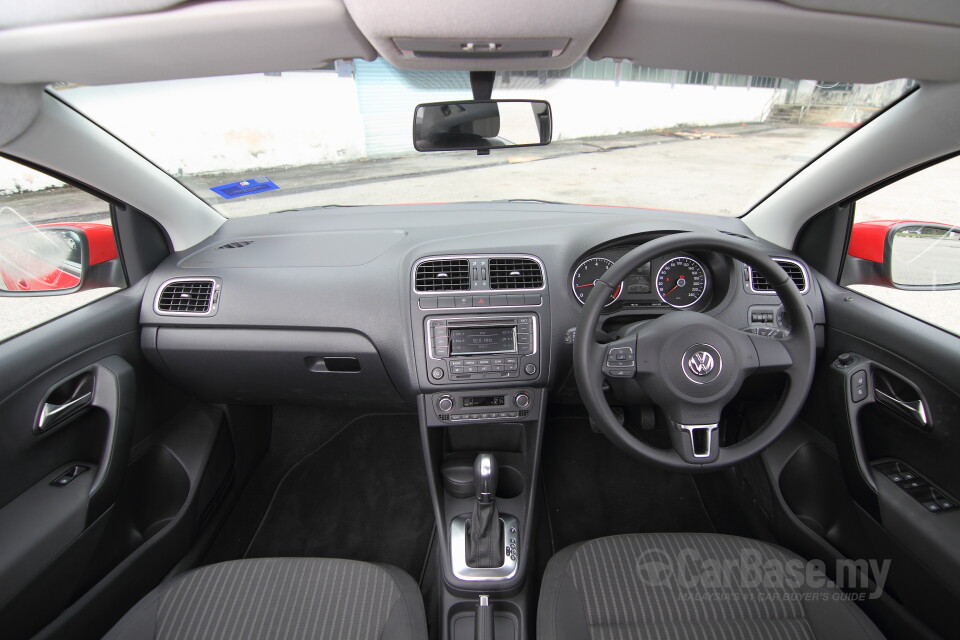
(909, 475)
(945, 504)
(931, 506)
(69, 475)
(896, 477)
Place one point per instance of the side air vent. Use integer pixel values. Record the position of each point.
(759, 284)
(239, 244)
(188, 297)
(443, 275)
(515, 273)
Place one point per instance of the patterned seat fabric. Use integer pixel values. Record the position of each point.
(283, 598)
(691, 586)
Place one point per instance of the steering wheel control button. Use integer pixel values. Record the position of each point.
(701, 363)
(620, 362)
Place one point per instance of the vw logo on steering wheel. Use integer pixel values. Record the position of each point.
(701, 363)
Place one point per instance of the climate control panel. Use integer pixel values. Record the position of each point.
(487, 405)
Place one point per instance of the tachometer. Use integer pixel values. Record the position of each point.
(587, 273)
(681, 282)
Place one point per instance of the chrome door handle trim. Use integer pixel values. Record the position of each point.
(55, 413)
(913, 410)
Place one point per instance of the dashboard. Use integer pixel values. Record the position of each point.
(471, 304)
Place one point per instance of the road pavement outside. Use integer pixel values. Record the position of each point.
(723, 171)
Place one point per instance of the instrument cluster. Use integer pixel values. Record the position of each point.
(678, 281)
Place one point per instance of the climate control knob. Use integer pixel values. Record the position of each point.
(445, 403)
(522, 400)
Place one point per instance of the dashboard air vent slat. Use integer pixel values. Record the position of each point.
(760, 285)
(239, 244)
(186, 296)
(515, 273)
(443, 275)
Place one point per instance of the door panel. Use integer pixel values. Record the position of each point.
(46, 516)
(893, 463)
(98, 504)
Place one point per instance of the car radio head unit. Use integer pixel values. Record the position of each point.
(472, 348)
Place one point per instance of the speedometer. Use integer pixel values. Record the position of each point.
(587, 274)
(681, 282)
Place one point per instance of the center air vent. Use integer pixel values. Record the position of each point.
(443, 275)
(189, 297)
(759, 284)
(515, 273)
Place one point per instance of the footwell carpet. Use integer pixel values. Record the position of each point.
(363, 495)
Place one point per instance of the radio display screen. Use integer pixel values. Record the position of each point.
(482, 340)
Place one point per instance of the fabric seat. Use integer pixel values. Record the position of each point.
(691, 586)
(281, 598)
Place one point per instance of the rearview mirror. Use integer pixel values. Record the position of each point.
(481, 125)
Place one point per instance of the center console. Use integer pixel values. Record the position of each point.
(478, 327)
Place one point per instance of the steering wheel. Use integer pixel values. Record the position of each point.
(691, 364)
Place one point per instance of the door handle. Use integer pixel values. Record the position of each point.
(53, 414)
(912, 410)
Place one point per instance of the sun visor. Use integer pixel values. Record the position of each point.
(933, 11)
(17, 13)
(19, 105)
(492, 35)
(772, 38)
(192, 41)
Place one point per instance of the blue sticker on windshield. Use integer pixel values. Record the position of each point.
(244, 188)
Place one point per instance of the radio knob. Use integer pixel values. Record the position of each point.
(522, 400)
(437, 373)
(445, 403)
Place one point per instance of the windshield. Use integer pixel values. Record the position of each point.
(623, 135)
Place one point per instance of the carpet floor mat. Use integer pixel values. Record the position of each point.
(593, 489)
(363, 495)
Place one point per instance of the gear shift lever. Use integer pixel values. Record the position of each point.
(485, 475)
(484, 537)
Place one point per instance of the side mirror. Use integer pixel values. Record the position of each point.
(481, 125)
(57, 259)
(916, 256)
